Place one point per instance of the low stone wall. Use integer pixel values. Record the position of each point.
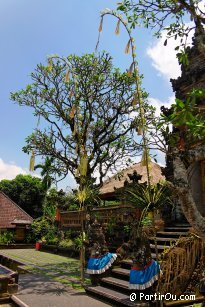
(16, 246)
(10, 263)
(69, 252)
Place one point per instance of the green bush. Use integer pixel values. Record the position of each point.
(78, 241)
(127, 229)
(42, 229)
(146, 221)
(67, 234)
(51, 238)
(67, 243)
(7, 237)
(71, 234)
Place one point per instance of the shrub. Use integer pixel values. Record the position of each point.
(7, 237)
(50, 238)
(146, 221)
(78, 241)
(67, 243)
(127, 229)
(42, 229)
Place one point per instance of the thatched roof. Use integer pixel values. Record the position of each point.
(109, 186)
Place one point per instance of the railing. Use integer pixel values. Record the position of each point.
(70, 219)
(179, 263)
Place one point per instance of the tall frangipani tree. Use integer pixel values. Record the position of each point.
(85, 105)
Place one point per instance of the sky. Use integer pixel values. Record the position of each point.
(31, 30)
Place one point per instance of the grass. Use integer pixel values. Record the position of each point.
(62, 269)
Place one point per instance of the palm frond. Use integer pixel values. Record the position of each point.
(152, 197)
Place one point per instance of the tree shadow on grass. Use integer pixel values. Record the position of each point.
(62, 268)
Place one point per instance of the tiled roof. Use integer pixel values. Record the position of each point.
(21, 222)
(10, 211)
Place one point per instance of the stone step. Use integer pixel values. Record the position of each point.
(117, 298)
(162, 239)
(116, 283)
(182, 225)
(160, 248)
(177, 228)
(127, 263)
(121, 273)
(115, 288)
(169, 234)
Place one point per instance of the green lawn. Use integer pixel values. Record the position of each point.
(63, 269)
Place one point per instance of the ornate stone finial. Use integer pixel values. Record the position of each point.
(135, 177)
(126, 183)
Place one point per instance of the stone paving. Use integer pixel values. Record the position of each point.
(63, 269)
(42, 288)
(37, 290)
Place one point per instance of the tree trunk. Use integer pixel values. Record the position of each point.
(186, 199)
(82, 251)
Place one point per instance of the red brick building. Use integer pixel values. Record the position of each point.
(12, 217)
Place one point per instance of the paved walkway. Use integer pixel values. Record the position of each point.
(40, 291)
(59, 268)
(51, 285)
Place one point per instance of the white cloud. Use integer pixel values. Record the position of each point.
(201, 6)
(158, 103)
(160, 156)
(10, 170)
(164, 58)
